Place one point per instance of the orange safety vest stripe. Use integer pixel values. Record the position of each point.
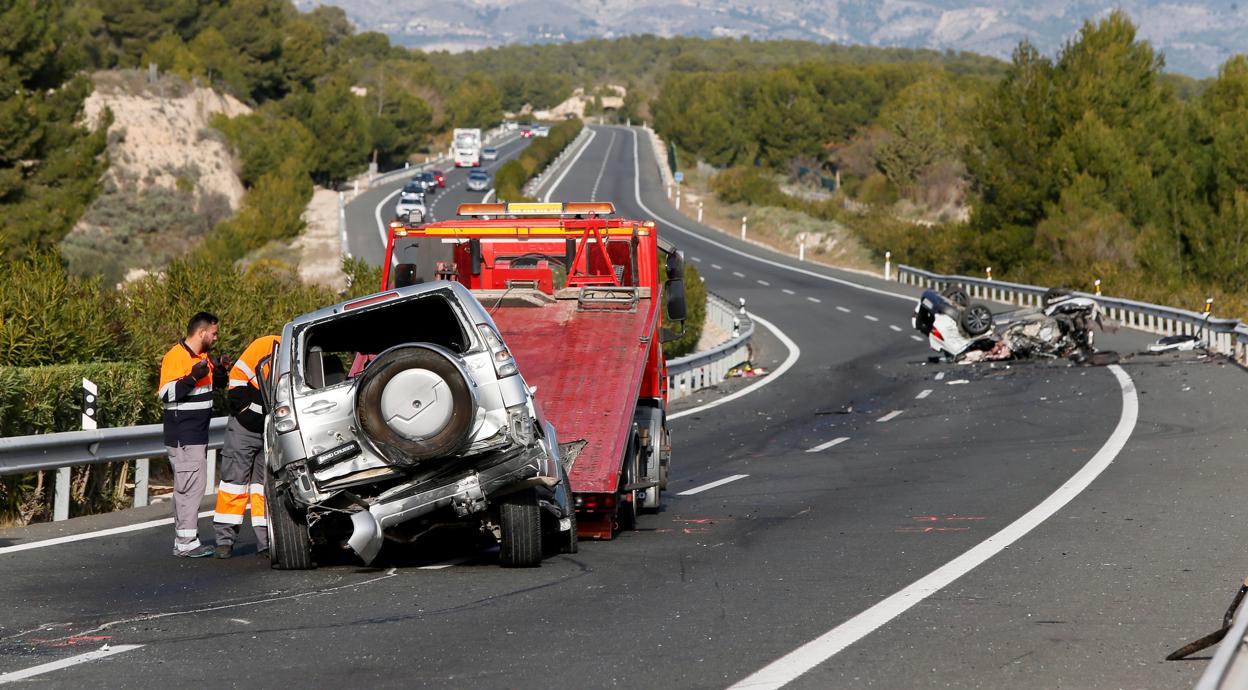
(245, 368)
(177, 364)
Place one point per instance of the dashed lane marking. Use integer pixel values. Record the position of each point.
(939, 375)
(717, 267)
(916, 339)
(829, 444)
(923, 394)
(868, 317)
(105, 651)
(764, 283)
(712, 485)
(787, 291)
(738, 274)
(816, 300)
(796, 663)
(844, 310)
(895, 328)
(696, 259)
(890, 416)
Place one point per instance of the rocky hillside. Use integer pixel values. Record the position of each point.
(1196, 37)
(171, 176)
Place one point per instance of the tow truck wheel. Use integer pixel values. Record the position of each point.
(290, 545)
(415, 405)
(626, 508)
(520, 522)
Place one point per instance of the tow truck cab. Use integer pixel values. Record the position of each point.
(577, 295)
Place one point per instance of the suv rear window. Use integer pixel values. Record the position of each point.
(331, 346)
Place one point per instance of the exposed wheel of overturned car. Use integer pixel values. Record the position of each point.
(415, 405)
(290, 545)
(956, 295)
(976, 319)
(520, 525)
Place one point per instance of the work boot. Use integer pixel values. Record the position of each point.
(224, 550)
(201, 552)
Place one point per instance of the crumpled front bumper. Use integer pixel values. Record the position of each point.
(468, 494)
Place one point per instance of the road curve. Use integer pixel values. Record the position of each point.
(860, 471)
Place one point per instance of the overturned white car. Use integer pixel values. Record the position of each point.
(402, 411)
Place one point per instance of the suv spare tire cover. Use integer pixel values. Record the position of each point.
(414, 404)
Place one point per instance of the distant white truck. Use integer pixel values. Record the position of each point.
(467, 146)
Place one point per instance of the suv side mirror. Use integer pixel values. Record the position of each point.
(404, 275)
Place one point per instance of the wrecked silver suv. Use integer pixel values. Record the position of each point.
(402, 411)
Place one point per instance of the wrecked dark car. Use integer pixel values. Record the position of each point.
(400, 412)
(965, 331)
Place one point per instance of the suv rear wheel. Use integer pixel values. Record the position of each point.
(290, 545)
(520, 522)
(414, 404)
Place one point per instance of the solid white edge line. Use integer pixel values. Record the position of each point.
(738, 252)
(92, 535)
(794, 353)
(923, 394)
(486, 199)
(792, 665)
(829, 444)
(712, 485)
(105, 651)
(890, 416)
(571, 164)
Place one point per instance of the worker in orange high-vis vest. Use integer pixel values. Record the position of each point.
(242, 460)
(187, 377)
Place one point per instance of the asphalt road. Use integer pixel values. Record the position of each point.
(861, 470)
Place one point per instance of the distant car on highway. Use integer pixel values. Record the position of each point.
(411, 206)
(510, 126)
(526, 130)
(440, 176)
(478, 181)
(541, 131)
(489, 153)
(427, 179)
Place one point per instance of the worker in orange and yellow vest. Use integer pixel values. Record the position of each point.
(187, 377)
(242, 460)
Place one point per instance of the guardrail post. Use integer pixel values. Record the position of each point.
(801, 246)
(142, 468)
(743, 219)
(678, 198)
(699, 211)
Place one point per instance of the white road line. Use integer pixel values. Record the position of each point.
(939, 375)
(868, 317)
(844, 310)
(105, 651)
(916, 338)
(829, 444)
(751, 257)
(593, 195)
(696, 259)
(91, 535)
(717, 267)
(764, 283)
(571, 164)
(712, 485)
(895, 328)
(486, 199)
(816, 300)
(382, 228)
(787, 291)
(789, 667)
(794, 353)
(738, 274)
(923, 394)
(890, 416)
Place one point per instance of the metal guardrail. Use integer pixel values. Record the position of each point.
(48, 452)
(534, 184)
(1229, 667)
(1224, 336)
(705, 369)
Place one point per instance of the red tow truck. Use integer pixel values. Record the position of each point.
(576, 294)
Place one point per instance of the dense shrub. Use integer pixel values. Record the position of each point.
(695, 318)
(272, 210)
(48, 317)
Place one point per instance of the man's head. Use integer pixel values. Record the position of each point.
(201, 331)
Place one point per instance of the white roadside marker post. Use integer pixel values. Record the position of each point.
(743, 221)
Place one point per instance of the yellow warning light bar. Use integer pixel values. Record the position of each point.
(601, 208)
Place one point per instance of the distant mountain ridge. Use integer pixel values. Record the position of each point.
(1195, 37)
